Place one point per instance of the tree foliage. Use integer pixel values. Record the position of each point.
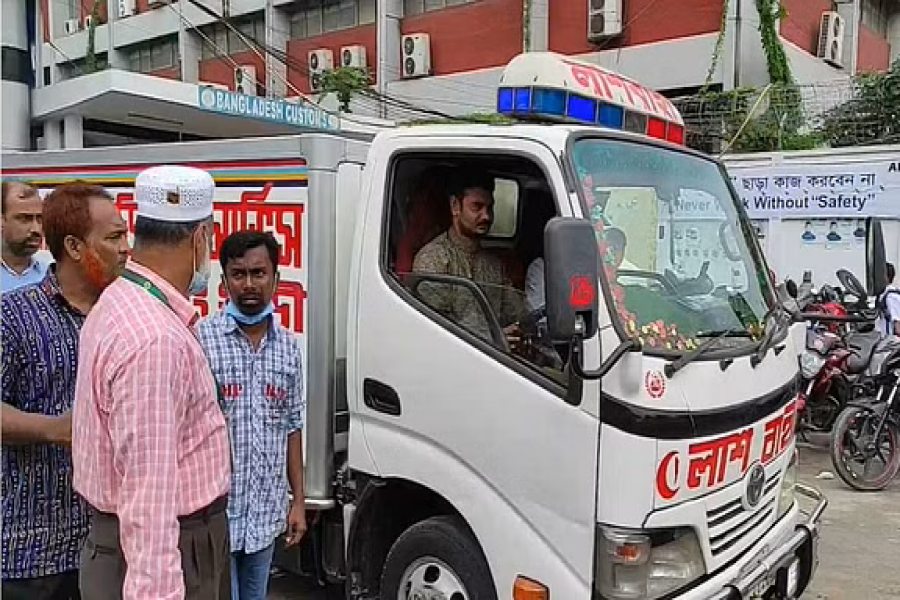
(344, 82)
(871, 116)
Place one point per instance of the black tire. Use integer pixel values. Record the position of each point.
(844, 426)
(448, 540)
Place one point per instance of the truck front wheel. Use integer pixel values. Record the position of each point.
(436, 559)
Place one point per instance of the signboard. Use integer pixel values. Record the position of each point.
(853, 190)
(266, 109)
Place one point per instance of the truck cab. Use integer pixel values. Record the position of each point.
(639, 443)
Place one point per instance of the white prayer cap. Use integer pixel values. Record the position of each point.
(174, 194)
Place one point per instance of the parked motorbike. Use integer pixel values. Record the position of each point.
(865, 441)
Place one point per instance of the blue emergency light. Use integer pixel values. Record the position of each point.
(565, 106)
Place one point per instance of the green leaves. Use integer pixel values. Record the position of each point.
(871, 116)
(344, 82)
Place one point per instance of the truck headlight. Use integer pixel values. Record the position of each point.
(646, 564)
(788, 483)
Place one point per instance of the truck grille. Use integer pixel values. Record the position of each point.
(730, 521)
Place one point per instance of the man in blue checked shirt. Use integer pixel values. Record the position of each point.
(257, 364)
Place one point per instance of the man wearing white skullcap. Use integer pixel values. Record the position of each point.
(151, 451)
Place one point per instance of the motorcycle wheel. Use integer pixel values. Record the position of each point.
(852, 444)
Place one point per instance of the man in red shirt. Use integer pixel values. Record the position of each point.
(150, 445)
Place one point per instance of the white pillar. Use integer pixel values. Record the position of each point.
(53, 135)
(851, 12)
(73, 131)
(388, 66)
(538, 39)
(278, 28)
(16, 106)
(893, 36)
(190, 47)
(115, 57)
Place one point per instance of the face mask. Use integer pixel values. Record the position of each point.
(200, 280)
(245, 319)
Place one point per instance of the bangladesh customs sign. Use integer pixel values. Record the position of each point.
(266, 109)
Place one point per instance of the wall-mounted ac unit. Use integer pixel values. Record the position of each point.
(210, 84)
(353, 56)
(831, 39)
(245, 79)
(294, 99)
(88, 19)
(604, 19)
(126, 8)
(319, 61)
(416, 49)
(156, 3)
(71, 26)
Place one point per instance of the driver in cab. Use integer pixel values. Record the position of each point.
(459, 252)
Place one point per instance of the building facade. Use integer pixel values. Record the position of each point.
(426, 58)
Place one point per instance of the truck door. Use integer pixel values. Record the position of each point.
(445, 405)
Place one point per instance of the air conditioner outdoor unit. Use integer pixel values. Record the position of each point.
(416, 55)
(831, 39)
(293, 99)
(71, 26)
(210, 84)
(156, 3)
(126, 8)
(245, 79)
(604, 19)
(353, 56)
(319, 61)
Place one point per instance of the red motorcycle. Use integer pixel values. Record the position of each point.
(825, 387)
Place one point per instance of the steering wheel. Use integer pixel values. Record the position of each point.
(667, 283)
(732, 255)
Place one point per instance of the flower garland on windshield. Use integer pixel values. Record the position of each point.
(656, 334)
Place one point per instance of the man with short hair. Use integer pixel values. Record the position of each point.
(151, 451)
(258, 364)
(22, 235)
(44, 522)
(458, 252)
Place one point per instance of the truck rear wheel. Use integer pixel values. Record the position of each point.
(436, 559)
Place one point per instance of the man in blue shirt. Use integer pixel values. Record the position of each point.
(257, 363)
(44, 522)
(22, 235)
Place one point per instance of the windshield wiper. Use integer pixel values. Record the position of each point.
(770, 333)
(714, 336)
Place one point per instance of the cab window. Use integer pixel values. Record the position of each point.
(465, 245)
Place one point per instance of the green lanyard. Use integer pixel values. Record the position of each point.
(153, 290)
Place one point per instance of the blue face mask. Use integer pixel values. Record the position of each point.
(245, 319)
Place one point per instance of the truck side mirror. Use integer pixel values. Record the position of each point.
(571, 276)
(876, 262)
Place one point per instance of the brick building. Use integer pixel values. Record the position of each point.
(157, 51)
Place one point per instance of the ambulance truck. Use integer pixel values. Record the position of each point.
(637, 441)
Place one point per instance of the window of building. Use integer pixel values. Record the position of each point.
(876, 14)
(324, 16)
(415, 7)
(161, 53)
(218, 39)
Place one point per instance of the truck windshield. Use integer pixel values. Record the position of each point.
(679, 264)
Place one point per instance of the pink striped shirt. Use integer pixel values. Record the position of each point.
(150, 441)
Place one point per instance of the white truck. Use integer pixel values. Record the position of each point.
(442, 464)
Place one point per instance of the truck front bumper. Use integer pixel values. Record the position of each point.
(785, 572)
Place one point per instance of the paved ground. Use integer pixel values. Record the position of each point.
(860, 545)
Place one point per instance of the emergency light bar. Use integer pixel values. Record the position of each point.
(552, 87)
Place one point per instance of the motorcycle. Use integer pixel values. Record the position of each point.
(868, 430)
(839, 347)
